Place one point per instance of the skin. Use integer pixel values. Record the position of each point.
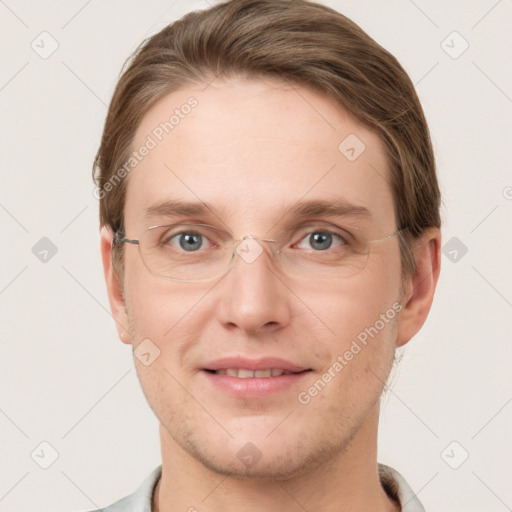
(250, 150)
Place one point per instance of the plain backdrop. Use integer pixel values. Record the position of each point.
(67, 381)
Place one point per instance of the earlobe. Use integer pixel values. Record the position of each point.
(114, 290)
(421, 285)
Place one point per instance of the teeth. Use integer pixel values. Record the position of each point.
(242, 373)
(263, 373)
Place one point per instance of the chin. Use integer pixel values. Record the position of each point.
(278, 456)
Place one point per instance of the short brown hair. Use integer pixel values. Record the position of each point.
(297, 41)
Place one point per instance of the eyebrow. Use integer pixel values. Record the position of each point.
(335, 208)
(177, 209)
(303, 209)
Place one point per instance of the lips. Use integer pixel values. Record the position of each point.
(244, 373)
(243, 367)
(245, 378)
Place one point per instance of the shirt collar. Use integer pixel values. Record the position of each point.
(392, 482)
(398, 489)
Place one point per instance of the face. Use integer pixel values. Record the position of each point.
(259, 154)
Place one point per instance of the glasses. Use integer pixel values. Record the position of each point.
(199, 252)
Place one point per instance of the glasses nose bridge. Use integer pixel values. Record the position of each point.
(257, 239)
(251, 251)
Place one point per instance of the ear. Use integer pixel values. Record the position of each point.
(115, 296)
(420, 286)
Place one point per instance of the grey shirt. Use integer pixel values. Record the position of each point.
(392, 481)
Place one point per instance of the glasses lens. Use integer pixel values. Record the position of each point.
(323, 254)
(185, 251)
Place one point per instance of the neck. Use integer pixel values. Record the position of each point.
(348, 480)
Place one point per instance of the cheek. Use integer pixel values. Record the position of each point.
(361, 317)
(159, 312)
(360, 359)
(152, 307)
(348, 307)
(169, 314)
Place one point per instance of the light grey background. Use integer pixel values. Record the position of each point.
(66, 380)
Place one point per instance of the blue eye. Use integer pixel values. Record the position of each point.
(189, 242)
(321, 240)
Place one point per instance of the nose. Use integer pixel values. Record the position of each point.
(253, 296)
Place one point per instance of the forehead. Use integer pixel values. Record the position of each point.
(251, 148)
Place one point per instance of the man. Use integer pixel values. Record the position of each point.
(270, 235)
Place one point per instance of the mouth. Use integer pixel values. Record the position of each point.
(244, 373)
(246, 378)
